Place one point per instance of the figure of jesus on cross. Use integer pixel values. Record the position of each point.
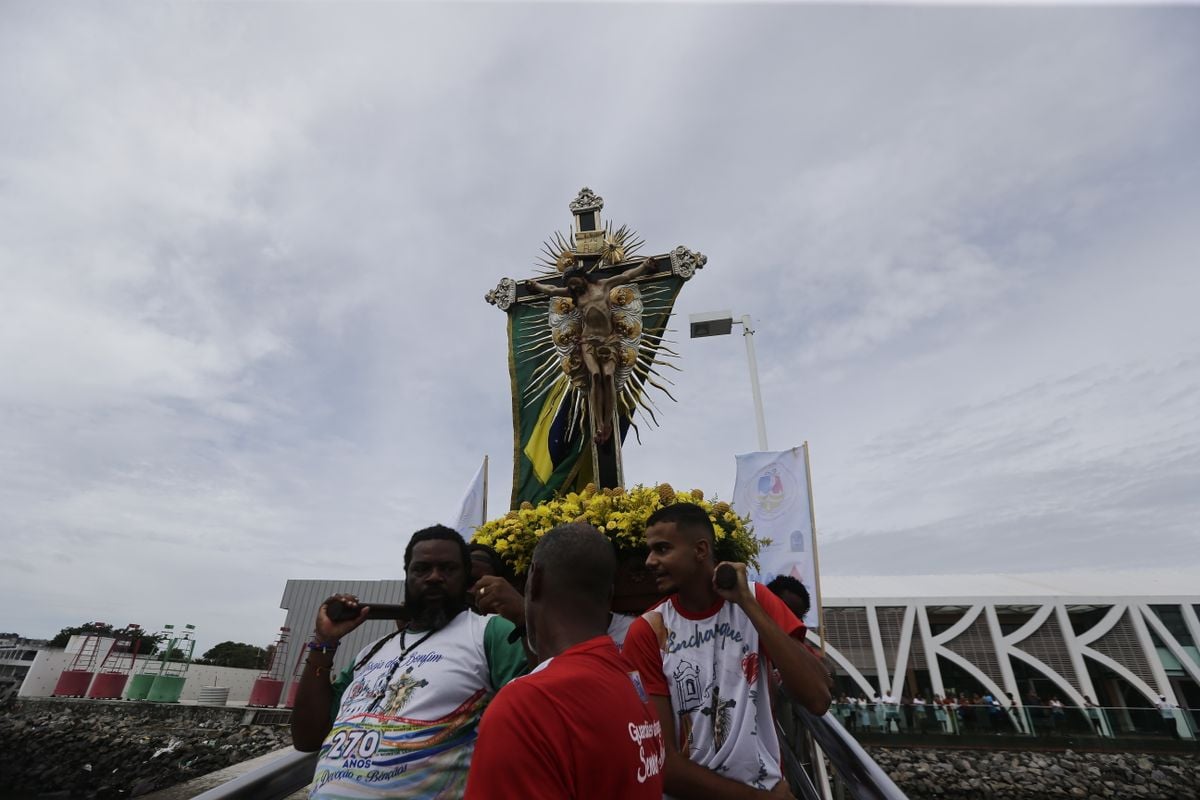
(599, 345)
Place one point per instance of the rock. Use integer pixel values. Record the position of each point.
(119, 742)
(1005, 775)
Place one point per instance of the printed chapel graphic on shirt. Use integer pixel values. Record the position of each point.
(710, 664)
(406, 723)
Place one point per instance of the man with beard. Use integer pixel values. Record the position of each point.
(402, 721)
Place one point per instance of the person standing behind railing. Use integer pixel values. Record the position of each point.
(1166, 710)
(1058, 714)
(865, 713)
(939, 713)
(1014, 712)
(891, 713)
(1037, 712)
(1093, 715)
(920, 711)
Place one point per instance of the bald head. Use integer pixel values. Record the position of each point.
(577, 566)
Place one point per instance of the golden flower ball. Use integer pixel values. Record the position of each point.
(621, 296)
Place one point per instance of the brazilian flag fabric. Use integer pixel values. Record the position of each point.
(550, 459)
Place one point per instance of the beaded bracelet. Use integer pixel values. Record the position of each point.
(322, 647)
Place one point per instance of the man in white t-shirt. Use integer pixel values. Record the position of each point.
(705, 654)
(1167, 709)
(891, 713)
(402, 721)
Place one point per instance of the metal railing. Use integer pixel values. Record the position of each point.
(857, 774)
(957, 719)
(282, 777)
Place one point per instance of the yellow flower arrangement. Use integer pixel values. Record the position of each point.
(619, 514)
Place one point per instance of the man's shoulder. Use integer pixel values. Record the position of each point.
(494, 624)
(566, 670)
(614, 687)
(478, 626)
(661, 613)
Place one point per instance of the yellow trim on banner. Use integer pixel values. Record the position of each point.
(538, 446)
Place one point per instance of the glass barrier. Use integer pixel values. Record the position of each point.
(972, 719)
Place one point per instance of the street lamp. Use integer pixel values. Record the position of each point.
(720, 323)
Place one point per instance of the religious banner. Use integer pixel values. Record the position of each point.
(773, 489)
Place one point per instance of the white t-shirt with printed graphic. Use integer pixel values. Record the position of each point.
(713, 667)
(406, 721)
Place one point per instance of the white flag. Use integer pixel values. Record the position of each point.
(772, 489)
(470, 514)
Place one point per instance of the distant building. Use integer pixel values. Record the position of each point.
(16, 657)
(47, 665)
(1119, 638)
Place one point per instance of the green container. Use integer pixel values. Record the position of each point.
(139, 686)
(166, 689)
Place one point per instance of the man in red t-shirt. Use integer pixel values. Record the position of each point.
(704, 653)
(579, 726)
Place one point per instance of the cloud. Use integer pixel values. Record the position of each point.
(242, 336)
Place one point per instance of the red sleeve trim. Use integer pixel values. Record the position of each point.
(777, 610)
(643, 654)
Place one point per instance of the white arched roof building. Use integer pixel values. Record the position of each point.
(1120, 638)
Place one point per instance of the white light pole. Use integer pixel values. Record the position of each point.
(720, 323)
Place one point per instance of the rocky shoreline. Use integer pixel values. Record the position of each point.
(1022, 775)
(85, 750)
(88, 750)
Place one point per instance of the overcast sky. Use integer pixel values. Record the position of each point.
(243, 252)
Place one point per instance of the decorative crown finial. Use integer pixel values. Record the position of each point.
(586, 200)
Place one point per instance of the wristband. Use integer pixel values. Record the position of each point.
(322, 647)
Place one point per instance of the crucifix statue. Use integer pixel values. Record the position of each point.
(586, 339)
(595, 344)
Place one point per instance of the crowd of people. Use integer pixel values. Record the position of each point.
(485, 691)
(975, 713)
(964, 713)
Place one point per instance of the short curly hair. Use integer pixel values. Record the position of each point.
(438, 533)
(786, 583)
